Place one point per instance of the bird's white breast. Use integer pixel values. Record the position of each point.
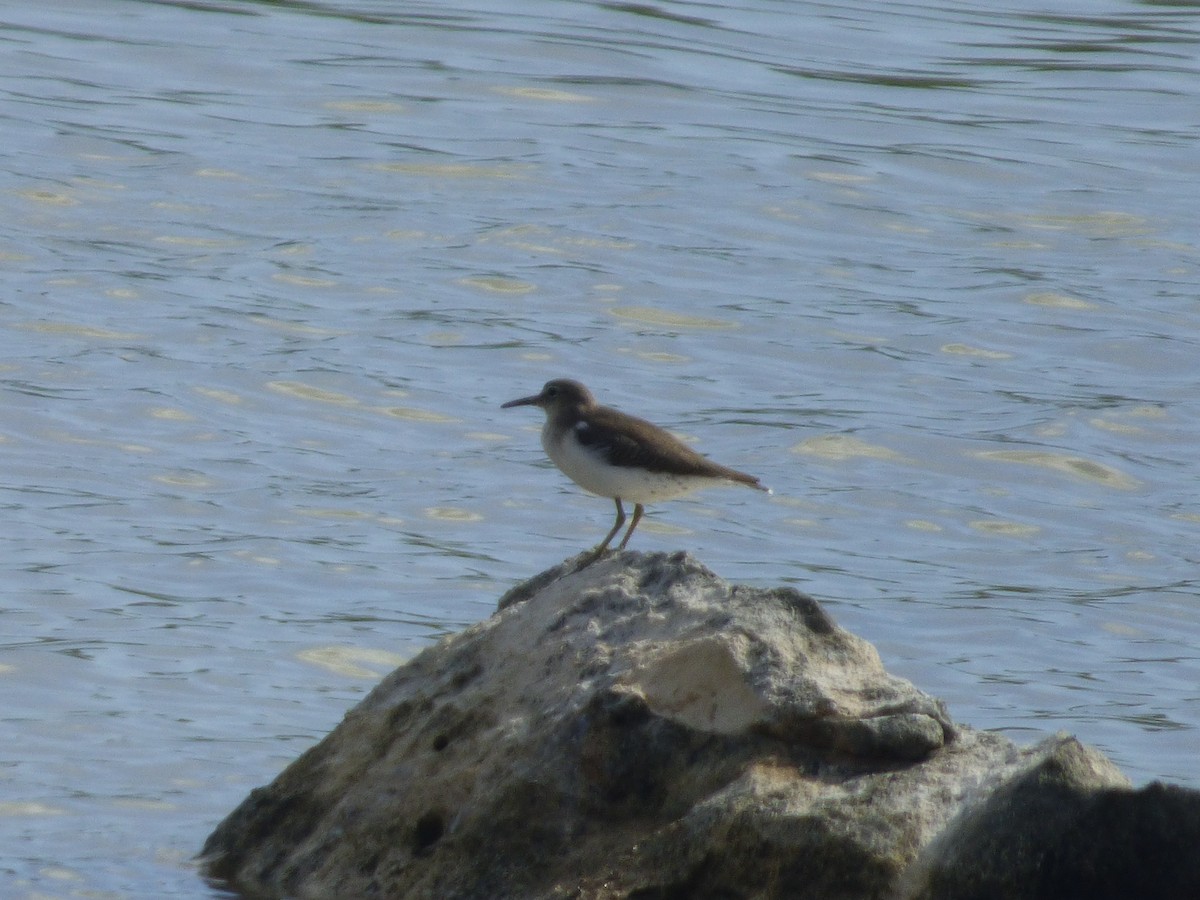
(588, 469)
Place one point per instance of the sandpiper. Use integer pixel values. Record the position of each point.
(616, 455)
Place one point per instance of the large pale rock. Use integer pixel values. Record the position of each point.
(637, 729)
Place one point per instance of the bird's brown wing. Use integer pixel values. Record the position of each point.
(626, 440)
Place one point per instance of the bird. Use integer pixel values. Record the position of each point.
(613, 454)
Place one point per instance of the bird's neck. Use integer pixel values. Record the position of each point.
(564, 418)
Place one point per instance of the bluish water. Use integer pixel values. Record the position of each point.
(270, 269)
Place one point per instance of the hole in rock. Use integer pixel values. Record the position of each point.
(428, 832)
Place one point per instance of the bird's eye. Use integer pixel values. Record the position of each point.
(552, 392)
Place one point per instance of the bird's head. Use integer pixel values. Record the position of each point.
(556, 395)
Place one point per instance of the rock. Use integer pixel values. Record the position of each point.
(1067, 827)
(642, 729)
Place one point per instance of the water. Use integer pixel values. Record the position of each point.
(270, 269)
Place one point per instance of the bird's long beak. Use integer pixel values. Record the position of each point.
(534, 400)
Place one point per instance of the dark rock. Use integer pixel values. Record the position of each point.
(1067, 827)
(641, 729)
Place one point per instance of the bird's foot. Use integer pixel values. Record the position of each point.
(590, 556)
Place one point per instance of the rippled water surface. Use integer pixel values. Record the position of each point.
(271, 268)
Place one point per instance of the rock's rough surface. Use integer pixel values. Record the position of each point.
(642, 729)
(1067, 827)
